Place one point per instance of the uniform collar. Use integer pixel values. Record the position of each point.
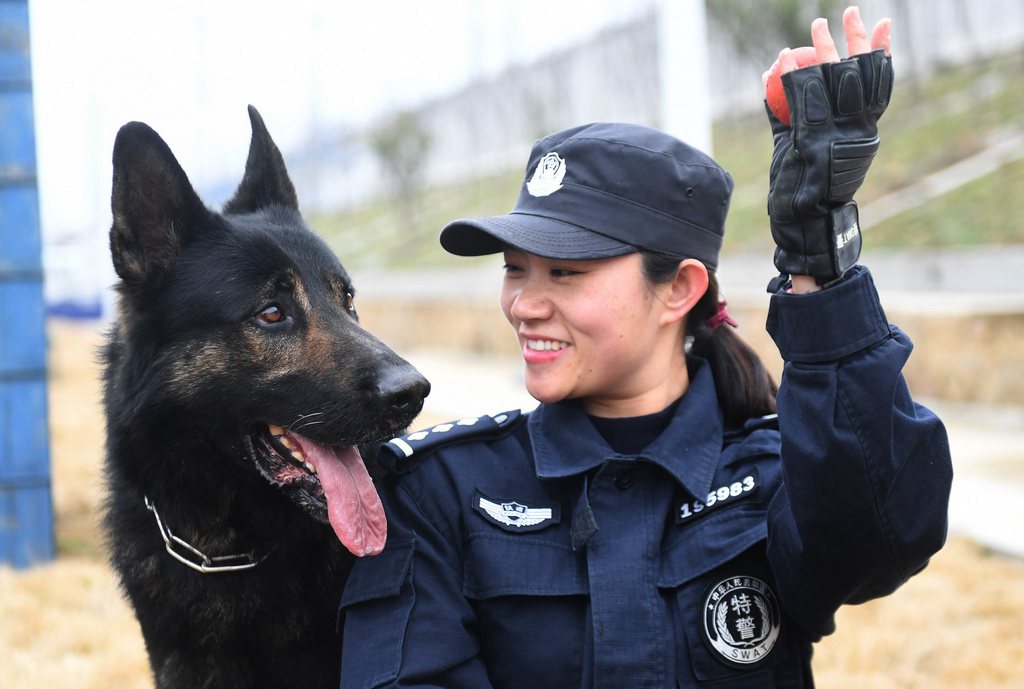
(565, 443)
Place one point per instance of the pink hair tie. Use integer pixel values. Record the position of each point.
(721, 316)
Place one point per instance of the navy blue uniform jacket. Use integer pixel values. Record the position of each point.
(523, 552)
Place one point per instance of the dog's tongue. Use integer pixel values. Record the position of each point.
(353, 506)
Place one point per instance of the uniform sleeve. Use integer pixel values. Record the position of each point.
(866, 470)
(407, 623)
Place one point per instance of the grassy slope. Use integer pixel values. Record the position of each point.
(927, 127)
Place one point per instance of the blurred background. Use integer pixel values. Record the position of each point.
(395, 117)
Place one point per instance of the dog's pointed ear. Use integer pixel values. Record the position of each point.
(154, 207)
(266, 180)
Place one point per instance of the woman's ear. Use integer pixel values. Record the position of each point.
(685, 290)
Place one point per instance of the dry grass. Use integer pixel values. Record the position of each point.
(959, 624)
(66, 624)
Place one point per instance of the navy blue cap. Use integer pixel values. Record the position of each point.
(608, 189)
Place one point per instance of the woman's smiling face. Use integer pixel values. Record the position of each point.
(595, 331)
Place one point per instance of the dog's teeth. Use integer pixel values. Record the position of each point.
(298, 455)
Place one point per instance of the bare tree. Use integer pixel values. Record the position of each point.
(401, 145)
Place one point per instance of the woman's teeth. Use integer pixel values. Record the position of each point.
(546, 345)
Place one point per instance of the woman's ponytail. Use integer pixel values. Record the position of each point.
(744, 386)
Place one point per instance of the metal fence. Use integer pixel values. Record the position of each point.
(26, 521)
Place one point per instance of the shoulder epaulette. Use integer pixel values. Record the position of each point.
(416, 443)
(732, 435)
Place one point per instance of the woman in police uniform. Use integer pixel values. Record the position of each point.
(654, 522)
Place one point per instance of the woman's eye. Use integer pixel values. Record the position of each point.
(563, 272)
(512, 268)
(270, 314)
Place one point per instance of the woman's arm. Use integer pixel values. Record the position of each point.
(866, 470)
(406, 620)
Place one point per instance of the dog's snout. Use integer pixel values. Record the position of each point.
(402, 390)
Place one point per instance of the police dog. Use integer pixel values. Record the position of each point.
(239, 388)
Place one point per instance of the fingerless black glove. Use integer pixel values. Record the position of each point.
(820, 162)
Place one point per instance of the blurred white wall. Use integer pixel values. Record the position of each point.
(486, 78)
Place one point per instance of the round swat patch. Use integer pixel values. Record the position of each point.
(741, 620)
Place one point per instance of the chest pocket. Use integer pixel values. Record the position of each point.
(499, 565)
(716, 573)
(377, 600)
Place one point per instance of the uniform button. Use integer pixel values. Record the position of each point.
(625, 479)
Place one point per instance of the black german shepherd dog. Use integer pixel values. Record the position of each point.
(238, 389)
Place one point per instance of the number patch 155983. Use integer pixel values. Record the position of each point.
(725, 495)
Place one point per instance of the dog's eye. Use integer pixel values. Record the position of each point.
(270, 314)
(350, 302)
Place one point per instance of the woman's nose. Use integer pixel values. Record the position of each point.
(531, 304)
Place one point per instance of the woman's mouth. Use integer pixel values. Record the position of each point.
(538, 351)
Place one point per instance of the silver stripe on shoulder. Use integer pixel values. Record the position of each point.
(405, 447)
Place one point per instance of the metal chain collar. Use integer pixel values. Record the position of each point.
(205, 564)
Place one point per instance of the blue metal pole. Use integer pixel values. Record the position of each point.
(26, 509)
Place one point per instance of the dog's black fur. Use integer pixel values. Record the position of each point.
(228, 322)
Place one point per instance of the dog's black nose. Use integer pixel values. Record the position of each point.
(402, 390)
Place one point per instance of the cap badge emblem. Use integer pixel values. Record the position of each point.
(547, 178)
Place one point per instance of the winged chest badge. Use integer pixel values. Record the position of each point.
(512, 515)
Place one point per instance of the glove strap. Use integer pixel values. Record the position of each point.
(843, 227)
(846, 239)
